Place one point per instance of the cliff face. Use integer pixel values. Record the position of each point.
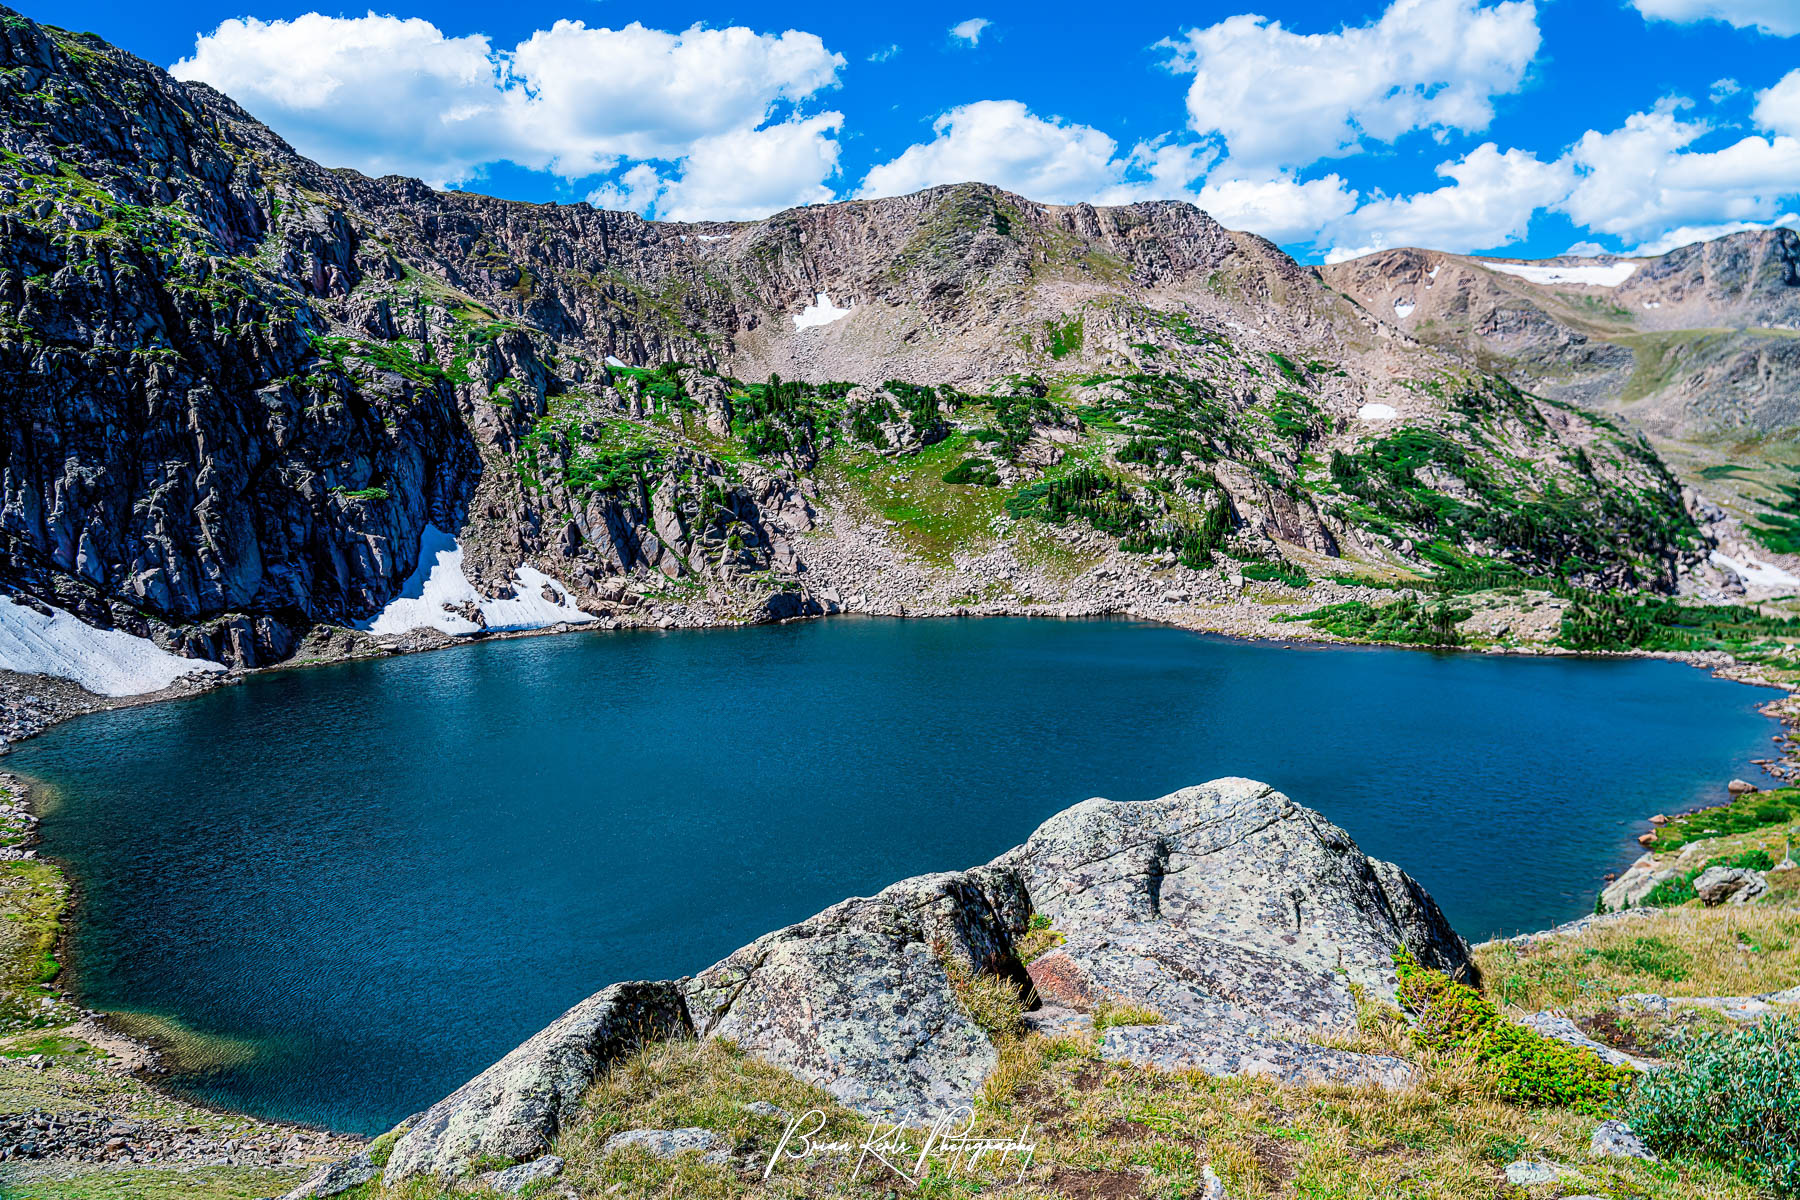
(240, 387)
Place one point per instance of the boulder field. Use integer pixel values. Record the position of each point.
(1242, 923)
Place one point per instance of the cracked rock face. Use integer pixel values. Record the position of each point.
(512, 1110)
(1240, 916)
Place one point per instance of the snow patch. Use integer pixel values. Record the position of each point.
(105, 661)
(438, 582)
(1755, 571)
(1432, 274)
(613, 362)
(713, 237)
(1377, 412)
(1593, 275)
(1653, 304)
(821, 312)
(1404, 308)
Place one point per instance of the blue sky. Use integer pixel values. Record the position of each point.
(1524, 127)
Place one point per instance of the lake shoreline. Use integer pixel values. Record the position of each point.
(32, 790)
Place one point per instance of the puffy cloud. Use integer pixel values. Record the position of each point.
(1779, 17)
(1489, 202)
(1778, 108)
(385, 95)
(746, 174)
(388, 95)
(970, 31)
(1641, 180)
(1280, 98)
(1001, 142)
(1279, 207)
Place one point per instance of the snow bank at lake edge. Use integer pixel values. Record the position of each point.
(429, 597)
(107, 662)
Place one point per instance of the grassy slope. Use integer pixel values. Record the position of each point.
(1109, 1130)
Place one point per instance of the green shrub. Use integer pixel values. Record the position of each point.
(1652, 956)
(1680, 889)
(1743, 815)
(977, 471)
(1732, 1099)
(1527, 1068)
(1277, 572)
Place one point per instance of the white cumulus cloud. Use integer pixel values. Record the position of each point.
(1642, 180)
(1281, 98)
(970, 31)
(1781, 17)
(1279, 207)
(1778, 108)
(1003, 143)
(387, 95)
(1489, 202)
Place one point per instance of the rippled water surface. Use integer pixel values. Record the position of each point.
(371, 880)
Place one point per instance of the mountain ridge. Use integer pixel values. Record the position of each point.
(251, 384)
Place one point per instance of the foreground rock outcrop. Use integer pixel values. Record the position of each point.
(1245, 920)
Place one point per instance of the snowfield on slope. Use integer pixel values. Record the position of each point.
(1592, 274)
(821, 312)
(1755, 571)
(107, 662)
(437, 587)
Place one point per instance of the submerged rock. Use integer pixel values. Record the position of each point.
(512, 1110)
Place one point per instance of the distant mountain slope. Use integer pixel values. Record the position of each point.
(242, 391)
(1703, 341)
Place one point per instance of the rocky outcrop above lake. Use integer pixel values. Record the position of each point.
(1241, 922)
(244, 388)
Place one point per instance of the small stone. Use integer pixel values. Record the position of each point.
(1531, 1171)
(1211, 1186)
(663, 1143)
(1614, 1139)
(334, 1179)
(516, 1179)
(763, 1108)
(1738, 787)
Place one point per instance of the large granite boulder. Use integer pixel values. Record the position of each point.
(857, 999)
(1243, 918)
(513, 1109)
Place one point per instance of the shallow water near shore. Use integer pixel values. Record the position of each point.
(384, 875)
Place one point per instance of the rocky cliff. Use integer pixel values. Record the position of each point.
(243, 391)
(1235, 925)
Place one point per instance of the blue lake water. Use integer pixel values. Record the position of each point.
(381, 876)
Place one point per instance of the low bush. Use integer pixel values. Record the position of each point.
(1732, 1099)
(976, 471)
(1526, 1067)
(1680, 889)
(1277, 572)
(1743, 815)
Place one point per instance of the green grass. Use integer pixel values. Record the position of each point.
(194, 1183)
(1744, 814)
